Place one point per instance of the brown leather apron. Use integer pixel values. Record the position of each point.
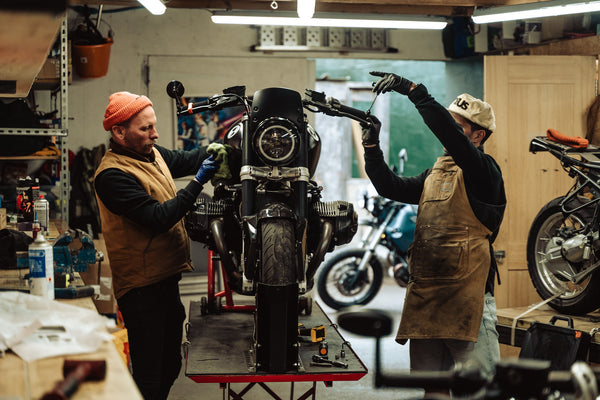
(449, 262)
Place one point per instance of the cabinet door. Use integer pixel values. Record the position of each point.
(530, 94)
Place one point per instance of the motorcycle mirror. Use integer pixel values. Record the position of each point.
(175, 89)
(372, 323)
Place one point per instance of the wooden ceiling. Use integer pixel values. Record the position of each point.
(404, 7)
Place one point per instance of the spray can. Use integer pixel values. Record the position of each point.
(42, 211)
(41, 266)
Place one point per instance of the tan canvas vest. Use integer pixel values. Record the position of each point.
(449, 262)
(137, 256)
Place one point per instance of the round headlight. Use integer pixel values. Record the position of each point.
(276, 141)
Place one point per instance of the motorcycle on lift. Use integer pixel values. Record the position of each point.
(354, 275)
(563, 246)
(267, 222)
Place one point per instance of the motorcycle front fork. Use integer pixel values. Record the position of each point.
(371, 241)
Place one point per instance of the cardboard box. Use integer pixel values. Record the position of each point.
(105, 301)
(51, 70)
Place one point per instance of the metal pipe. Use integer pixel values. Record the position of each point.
(326, 235)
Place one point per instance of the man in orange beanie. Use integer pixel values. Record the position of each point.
(142, 221)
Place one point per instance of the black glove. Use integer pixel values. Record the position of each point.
(370, 132)
(390, 82)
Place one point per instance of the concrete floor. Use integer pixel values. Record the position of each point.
(395, 358)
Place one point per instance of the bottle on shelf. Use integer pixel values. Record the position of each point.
(41, 265)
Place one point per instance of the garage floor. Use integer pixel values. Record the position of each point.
(395, 358)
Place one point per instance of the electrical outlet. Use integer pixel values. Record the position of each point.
(267, 36)
(313, 36)
(337, 37)
(358, 38)
(290, 36)
(377, 39)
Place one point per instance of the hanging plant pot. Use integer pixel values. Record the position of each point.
(91, 61)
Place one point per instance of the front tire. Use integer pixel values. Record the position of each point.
(333, 282)
(579, 298)
(278, 253)
(276, 315)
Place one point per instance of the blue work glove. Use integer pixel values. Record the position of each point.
(370, 132)
(389, 82)
(208, 168)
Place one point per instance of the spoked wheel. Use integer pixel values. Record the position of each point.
(551, 237)
(340, 284)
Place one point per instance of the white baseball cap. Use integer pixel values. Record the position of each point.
(475, 110)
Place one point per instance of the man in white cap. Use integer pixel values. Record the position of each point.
(148, 247)
(449, 311)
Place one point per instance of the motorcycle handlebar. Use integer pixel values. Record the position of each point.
(333, 107)
(214, 103)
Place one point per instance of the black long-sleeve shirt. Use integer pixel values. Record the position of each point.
(482, 175)
(124, 195)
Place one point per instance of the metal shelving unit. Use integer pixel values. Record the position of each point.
(61, 134)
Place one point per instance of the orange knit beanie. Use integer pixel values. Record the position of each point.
(122, 106)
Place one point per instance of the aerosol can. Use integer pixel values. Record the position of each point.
(42, 211)
(41, 266)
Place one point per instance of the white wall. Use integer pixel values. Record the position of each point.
(139, 35)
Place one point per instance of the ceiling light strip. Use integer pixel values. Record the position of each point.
(329, 22)
(499, 14)
(155, 7)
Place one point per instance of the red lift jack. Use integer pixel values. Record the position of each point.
(213, 302)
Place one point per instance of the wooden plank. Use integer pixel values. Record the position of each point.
(26, 37)
(586, 46)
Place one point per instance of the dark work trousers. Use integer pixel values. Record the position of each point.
(154, 316)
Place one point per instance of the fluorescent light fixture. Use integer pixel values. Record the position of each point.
(155, 7)
(306, 8)
(331, 20)
(534, 10)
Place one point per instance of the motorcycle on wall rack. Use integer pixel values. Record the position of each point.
(563, 246)
(267, 221)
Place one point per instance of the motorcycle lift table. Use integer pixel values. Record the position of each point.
(218, 351)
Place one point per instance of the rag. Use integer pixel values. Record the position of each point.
(575, 142)
(221, 153)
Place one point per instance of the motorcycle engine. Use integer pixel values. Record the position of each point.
(573, 249)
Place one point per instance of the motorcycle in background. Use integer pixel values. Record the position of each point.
(267, 221)
(354, 275)
(563, 247)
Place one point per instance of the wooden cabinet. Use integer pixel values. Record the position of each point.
(531, 94)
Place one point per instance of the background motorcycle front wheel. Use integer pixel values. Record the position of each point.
(579, 298)
(334, 282)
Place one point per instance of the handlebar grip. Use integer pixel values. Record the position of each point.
(193, 107)
(352, 111)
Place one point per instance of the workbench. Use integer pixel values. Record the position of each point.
(218, 351)
(506, 319)
(23, 380)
